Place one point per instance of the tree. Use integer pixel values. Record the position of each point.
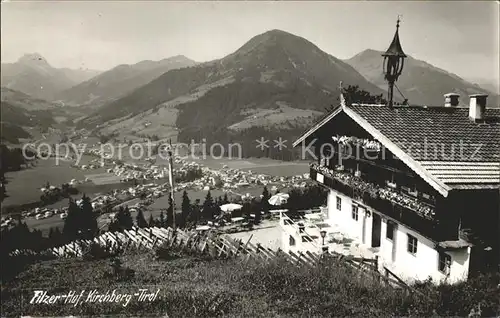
(162, 219)
(195, 214)
(208, 210)
(3, 183)
(246, 210)
(72, 221)
(51, 233)
(114, 226)
(141, 220)
(155, 150)
(225, 200)
(258, 216)
(104, 138)
(57, 237)
(265, 200)
(4, 153)
(185, 210)
(124, 218)
(293, 203)
(88, 224)
(353, 94)
(64, 139)
(169, 222)
(151, 221)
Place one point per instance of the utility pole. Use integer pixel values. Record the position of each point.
(171, 179)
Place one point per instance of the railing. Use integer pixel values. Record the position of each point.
(357, 188)
(377, 199)
(392, 278)
(299, 231)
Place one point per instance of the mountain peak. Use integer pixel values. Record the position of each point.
(278, 32)
(177, 59)
(33, 59)
(367, 54)
(277, 35)
(275, 40)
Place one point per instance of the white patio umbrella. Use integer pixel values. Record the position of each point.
(278, 199)
(230, 207)
(203, 228)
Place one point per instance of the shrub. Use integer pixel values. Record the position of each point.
(166, 252)
(118, 272)
(95, 251)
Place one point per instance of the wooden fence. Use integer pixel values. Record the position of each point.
(216, 245)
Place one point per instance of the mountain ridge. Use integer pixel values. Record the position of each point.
(421, 82)
(275, 63)
(32, 74)
(120, 80)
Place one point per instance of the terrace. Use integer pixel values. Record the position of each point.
(308, 230)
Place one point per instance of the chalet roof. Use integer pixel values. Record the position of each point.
(437, 133)
(441, 144)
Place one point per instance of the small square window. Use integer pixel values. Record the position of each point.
(355, 212)
(412, 244)
(444, 263)
(391, 226)
(339, 203)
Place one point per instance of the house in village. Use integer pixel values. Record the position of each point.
(416, 186)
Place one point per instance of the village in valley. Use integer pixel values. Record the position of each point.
(348, 196)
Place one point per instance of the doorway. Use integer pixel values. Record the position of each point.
(376, 230)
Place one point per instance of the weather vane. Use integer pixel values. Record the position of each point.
(399, 20)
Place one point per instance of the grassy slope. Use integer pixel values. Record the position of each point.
(194, 287)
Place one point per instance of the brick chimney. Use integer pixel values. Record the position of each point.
(451, 100)
(477, 106)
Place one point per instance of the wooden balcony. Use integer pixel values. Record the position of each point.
(417, 215)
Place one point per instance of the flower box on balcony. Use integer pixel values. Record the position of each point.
(357, 173)
(339, 168)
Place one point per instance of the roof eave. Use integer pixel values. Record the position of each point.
(322, 122)
(317, 126)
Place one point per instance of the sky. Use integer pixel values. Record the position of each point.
(459, 36)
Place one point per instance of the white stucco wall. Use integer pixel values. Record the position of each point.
(343, 218)
(420, 266)
(424, 263)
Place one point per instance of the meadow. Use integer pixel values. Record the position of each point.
(197, 286)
